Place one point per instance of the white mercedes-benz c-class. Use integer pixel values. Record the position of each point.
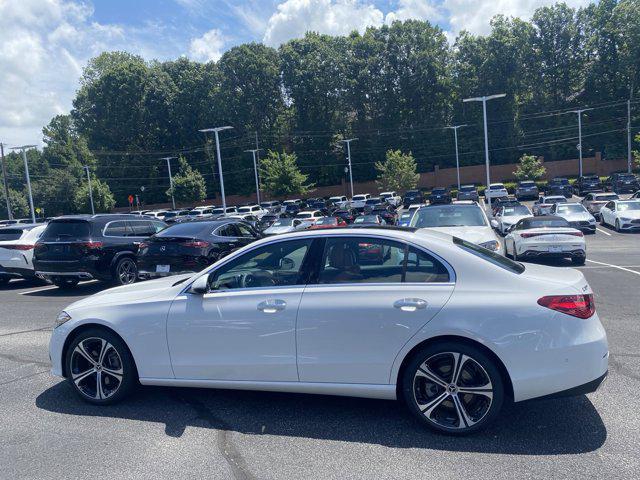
(451, 328)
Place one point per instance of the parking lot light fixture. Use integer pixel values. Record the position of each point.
(455, 135)
(24, 149)
(168, 159)
(348, 142)
(484, 101)
(255, 169)
(215, 131)
(579, 112)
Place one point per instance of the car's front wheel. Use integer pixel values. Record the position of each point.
(453, 388)
(100, 367)
(617, 227)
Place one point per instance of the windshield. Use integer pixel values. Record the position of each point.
(327, 221)
(555, 200)
(489, 256)
(190, 229)
(358, 197)
(283, 222)
(606, 197)
(622, 207)
(438, 191)
(372, 201)
(559, 181)
(517, 210)
(367, 219)
(449, 216)
(527, 184)
(570, 208)
(304, 215)
(67, 230)
(496, 187)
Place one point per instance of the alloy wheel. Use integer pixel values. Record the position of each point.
(96, 368)
(127, 272)
(452, 390)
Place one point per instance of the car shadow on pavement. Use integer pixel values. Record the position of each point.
(548, 427)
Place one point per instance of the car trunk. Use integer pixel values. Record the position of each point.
(65, 241)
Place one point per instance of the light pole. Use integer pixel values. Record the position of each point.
(255, 169)
(26, 172)
(168, 159)
(579, 112)
(629, 161)
(86, 168)
(348, 142)
(6, 187)
(486, 136)
(215, 131)
(455, 135)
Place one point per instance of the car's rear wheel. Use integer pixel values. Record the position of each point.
(578, 260)
(453, 387)
(126, 271)
(4, 281)
(65, 283)
(100, 367)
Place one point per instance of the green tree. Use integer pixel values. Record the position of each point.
(281, 175)
(19, 204)
(188, 184)
(103, 200)
(397, 172)
(530, 168)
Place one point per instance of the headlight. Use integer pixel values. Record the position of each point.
(492, 245)
(592, 220)
(62, 318)
(625, 219)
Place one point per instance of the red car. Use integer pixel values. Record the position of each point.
(328, 222)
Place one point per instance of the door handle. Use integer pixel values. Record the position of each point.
(272, 306)
(410, 304)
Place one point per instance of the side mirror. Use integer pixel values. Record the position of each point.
(200, 286)
(494, 223)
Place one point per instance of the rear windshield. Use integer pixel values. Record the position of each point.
(10, 233)
(367, 219)
(67, 230)
(606, 197)
(489, 256)
(545, 223)
(185, 229)
(327, 221)
(516, 210)
(528, 184)
(449, 216)
(570, 208)
(467, 188)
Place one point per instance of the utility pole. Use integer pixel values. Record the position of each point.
(26, 172)
(168, 159)
(579, 112)
(216, 130)
(455, 134)
(486, 136)
(629, 159)
(6, 186)
(86, 168)
(255, 169)
(348, 142)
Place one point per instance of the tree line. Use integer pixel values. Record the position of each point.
(394, 88)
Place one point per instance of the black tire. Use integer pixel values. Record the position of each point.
(125, 271)
(65, 283)
(86, 385)
(578, 260)
(617, 226)
(421, 393)
(4, 281)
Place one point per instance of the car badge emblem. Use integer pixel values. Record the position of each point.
(163, 248)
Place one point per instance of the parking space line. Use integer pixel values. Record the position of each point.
(41, 289)
(602, 231)
(614, 266)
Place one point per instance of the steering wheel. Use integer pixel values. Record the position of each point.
(249, 280)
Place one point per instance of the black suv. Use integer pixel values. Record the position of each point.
(559, 186)
(587, 184)
(439, 195)
(527, 189)
(85, 247)
(412, 196)
(622, 183)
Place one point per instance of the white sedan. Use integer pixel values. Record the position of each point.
(385, 314)
(285, 225)
(623, 215)
(509, 216)
(496, 190)
(16, 251)
(545, 236)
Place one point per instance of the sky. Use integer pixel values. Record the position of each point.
(44, 44)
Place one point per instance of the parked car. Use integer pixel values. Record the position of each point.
(310, 217)
(85, 247)
(623, 215)
(500, 202)
(587, 184)
(392, 198)
(439, 195)
(339, 202)
(220, 212)
(270, 318)
(371, 203)
(4, 223)
(249, 218)
(577, 216)
(508, 216)
(593, 202)
(255, 210)
(543, 237)
(559, 186)
(527, 190)
(412, 197)
(635, 195)
(386, 213)
(404, 220)
(16, 251)
(368, 220)
(267, 220)
(544, 204)
(468, 222)
(348, 215)
(190, 247)
(495, 190)
(273, 206)
(173, 215)
(328, 222)
(285, 225)
(622, 183)
(358, 201)
(468, 192)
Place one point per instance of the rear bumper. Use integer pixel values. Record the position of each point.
(79, 275)
(17, 272)
(577, 253)
(583, 389)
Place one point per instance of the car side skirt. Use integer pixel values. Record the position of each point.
(381, 392)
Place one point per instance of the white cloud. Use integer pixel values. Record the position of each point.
(334, 17)
(207, 47)
(415, 9)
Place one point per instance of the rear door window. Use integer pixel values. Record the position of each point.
(143, 228)
(117, 229)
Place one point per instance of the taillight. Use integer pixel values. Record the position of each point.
(196, 244)
(581, 306)
(91, 245)
(19, 247)
(530, 235)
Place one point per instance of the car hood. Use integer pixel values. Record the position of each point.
(127, 293)
(629, 214)
(475, 235)
(575, 217)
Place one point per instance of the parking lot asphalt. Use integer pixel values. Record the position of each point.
(47, 433)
